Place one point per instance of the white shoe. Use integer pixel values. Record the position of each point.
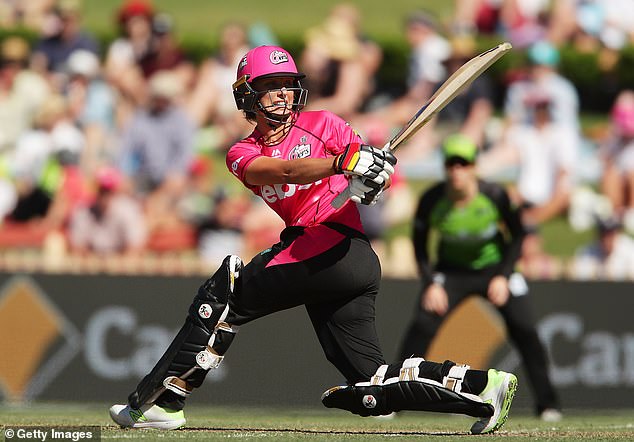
(551, 415)
(499, 392)
(148, 416)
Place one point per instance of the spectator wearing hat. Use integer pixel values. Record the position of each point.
(134, 22)
(121, 68)
(113, 224)
(157, 147)
(543, 80)
(610, 256)
(340, 62)
(617, 155)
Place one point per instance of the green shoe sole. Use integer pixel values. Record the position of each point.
(506, 404)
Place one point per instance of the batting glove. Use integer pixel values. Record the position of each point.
(365, 191)
(365, 161)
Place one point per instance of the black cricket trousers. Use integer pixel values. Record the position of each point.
(338, 289)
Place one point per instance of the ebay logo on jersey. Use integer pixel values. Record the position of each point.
(276, 192)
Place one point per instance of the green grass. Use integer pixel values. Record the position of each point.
(214, 423)
(560, 240)
(202, 19)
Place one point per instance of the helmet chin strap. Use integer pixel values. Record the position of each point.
(275, 120)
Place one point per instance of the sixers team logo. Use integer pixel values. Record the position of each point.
(203, 359)
(299, 151)
(205, 311)
(278, 57)
(369, 401)
(243, 64)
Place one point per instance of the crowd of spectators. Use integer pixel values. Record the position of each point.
(112, 152)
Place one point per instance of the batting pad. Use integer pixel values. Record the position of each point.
(378, 400)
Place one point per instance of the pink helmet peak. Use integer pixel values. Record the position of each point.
(267, 61)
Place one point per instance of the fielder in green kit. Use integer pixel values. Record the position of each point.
(480, 238)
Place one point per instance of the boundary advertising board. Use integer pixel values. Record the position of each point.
(92, 337)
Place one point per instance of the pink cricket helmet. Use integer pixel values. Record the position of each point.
(267, 61)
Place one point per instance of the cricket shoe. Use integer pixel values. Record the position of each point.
(148, 416)
(499, 392)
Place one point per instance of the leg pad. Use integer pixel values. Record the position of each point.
(407, 391)
(378, 400)
(200, 344)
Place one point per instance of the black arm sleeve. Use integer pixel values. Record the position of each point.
(422, 226)
(510, 216)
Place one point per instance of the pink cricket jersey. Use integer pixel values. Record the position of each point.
(316, 134)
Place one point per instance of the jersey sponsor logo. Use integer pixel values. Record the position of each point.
(278, 57)
(234, 165)
(276, 153)
(277, 192)
(299, 151)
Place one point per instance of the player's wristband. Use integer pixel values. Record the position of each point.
(347, 160)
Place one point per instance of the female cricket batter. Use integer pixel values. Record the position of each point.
(298, 163)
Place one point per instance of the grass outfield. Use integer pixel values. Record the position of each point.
(212, 423)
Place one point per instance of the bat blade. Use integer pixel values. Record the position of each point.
(452, 87)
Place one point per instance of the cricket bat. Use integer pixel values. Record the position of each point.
(453, 86)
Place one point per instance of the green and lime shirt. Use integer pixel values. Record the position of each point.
(484, 233)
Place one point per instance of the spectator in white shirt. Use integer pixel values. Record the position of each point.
(610, 256)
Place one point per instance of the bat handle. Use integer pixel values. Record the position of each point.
(346, 194)
(341, 198)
